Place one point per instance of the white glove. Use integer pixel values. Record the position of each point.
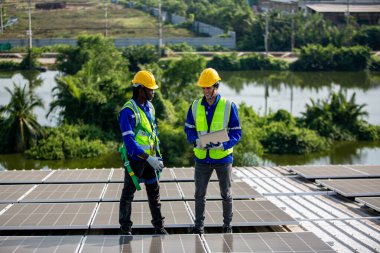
(217, 145)
(155, 162)
(197, 144)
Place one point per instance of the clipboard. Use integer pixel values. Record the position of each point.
(217, 136)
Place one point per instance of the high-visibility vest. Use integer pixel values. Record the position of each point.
(219, 121)
(145, 130)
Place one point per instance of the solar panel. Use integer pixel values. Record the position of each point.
(2, 206)
(143, 243)
(65, 193)
(118, 176)
(40, 244)
(267, 242)
(12, 193)
(371, 170)
(168, 191)
(246, 213)
(329, 171)
(353, 187)
(239, 190)
(185, 175)
(23, 176)
(372, 202)
(175, 213)
(27, 216)
(80, 176)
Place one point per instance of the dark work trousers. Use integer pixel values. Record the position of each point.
(127, 195)
(202, 176)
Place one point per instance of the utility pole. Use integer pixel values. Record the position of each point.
(106, 18)
(30, 26)
(348, 13)
(292, 34)
(266, 32)
(159, 28)
(1, 16)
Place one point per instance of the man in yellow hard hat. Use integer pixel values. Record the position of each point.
(207, 114)
(142, 152)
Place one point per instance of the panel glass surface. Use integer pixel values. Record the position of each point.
(118, 176)
(143, 243)
(372, 202)
(353, 187)
(240, 190)
(40, 244)
(175, 213)
(267, 242)
(246, 213)
(65, 193)
(168, 191)
(26, 216)
(328, 171)
(23, 176)
(11, 193)
(80, 176)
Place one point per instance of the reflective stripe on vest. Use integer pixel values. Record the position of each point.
(219, 121)
(144, 134)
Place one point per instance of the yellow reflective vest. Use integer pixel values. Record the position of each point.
(219, 121)
(145, 131)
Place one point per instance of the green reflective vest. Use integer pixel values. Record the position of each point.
(219, 121)
(145, 131)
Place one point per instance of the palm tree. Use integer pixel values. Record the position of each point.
(19, 121)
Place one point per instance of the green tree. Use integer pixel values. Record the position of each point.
(19, 122)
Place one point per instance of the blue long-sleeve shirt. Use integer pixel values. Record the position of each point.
(234, 130)
(127, 125)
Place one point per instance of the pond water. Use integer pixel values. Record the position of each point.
(263, 90)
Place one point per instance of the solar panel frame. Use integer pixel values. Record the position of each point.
(175, 213)
(40, 244)
(353, 187)
(79, 176)
(372, 202)
(168, 191)
(240, 190)
(13, 193)
(246, 213)
(45, 193)
(41, 216)
(270, 242)
(24, 176)
(118, 176)
(143, 243)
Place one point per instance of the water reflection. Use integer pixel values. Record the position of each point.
(273, 90)
(340, 153)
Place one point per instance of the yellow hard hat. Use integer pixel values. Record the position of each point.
(146, 79)
(208, 78)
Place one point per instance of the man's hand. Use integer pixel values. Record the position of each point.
(156, 163)
(197, 144)
(217, 145)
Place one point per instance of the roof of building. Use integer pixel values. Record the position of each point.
(342, 8)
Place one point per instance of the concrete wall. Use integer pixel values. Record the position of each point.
(123, 42)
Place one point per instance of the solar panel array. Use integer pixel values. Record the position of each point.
(337, 171)
(305, 242)
(353, 187)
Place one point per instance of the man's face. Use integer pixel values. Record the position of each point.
(208, 92)
(149, 94)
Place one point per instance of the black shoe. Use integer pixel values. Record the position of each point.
(160, 231)
(227, 230)
(127, 231)
(198, 231)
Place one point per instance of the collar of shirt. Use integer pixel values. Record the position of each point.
(205, 104)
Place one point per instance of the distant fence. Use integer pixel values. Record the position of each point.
(124, 42)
